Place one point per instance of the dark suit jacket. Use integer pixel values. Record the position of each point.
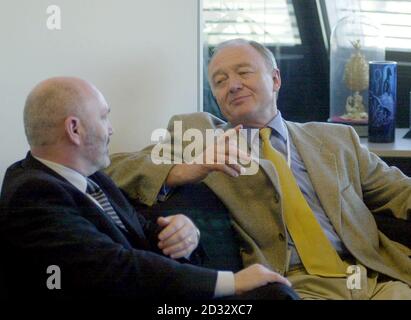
(46, 221)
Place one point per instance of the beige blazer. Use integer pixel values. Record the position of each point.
(351, 183)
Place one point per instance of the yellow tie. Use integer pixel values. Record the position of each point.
(315, 250)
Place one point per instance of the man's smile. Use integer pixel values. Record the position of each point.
(240, 99)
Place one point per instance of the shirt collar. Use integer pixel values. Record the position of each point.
(72, 176)
(278, 125)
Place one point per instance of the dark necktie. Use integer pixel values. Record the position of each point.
(95, 191)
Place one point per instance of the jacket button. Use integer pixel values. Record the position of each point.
(281, 236)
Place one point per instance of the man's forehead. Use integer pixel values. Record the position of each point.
(232, 57)
(220, 69)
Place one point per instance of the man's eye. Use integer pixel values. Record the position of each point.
(219, 81)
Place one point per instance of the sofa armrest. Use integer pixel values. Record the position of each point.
(218, 238)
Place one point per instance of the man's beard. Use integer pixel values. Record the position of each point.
(97, 151)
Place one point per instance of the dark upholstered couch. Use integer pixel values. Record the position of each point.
(218, 237)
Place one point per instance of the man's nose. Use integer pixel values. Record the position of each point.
(235, 84)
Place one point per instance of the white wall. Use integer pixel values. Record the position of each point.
(142, 54)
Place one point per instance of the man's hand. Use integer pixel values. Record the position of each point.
(256, 276)
(223, 156)
(179, 236)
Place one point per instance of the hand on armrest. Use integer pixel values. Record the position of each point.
(256, 276)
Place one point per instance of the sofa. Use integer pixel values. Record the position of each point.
(219, 241)
(218, 238)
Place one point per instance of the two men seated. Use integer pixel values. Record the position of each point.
(304, 217)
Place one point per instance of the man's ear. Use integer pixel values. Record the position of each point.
(72, 129)
(276, 80)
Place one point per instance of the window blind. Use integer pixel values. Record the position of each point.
(271, 22)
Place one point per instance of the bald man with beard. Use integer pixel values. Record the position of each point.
(58, 210)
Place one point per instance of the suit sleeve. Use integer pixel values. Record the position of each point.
(385, 189)
(52, 232)
(138, 175)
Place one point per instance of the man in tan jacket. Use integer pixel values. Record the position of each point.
(341, 181)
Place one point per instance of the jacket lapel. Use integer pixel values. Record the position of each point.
(31, 162)
(322, 169)
(130, 226)
(265, 165)
(321, 166)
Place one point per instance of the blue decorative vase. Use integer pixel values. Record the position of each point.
(382, 101)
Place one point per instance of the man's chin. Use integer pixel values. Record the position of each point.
(104, 163)
(241, 118)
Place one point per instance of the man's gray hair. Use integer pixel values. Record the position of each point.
(46, 108)
(264, 51)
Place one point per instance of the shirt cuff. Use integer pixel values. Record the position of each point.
(164, 193)
(225, 285)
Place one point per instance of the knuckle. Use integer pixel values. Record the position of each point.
(177, 248)
(260, 268)
(179, 237)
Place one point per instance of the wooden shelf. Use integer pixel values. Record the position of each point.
(401, 148)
